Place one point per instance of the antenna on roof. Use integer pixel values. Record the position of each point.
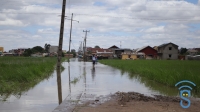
(120, 45)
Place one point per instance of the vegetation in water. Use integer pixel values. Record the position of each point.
(18, 74)
(167, 72)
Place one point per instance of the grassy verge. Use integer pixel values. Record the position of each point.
(168, 72)
(19, 74)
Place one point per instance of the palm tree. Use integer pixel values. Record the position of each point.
(47, 47)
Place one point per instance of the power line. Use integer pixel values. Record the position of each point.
(106, 16)
(172, 19)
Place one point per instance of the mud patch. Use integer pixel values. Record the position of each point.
(126, 97)
(136, 102)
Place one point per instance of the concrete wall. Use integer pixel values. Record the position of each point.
(133, 56)
(173, 52)
(53, 49)
(1, 49)
(125, 56)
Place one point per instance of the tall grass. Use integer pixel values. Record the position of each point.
(21, 73)
(168, 72)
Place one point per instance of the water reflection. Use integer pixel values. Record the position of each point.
(103, 81)
(69, 80)
(84, 75)
(59, 86)
(93, 74)
(155, 86)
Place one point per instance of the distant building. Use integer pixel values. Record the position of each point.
(100, 52)
(1, 50)
(21, 51)
(14, 51)
(118, 52)
(7, 54)
(148, 51)
(37, 55)
(168, 51)
(53, 49)
(69, 55)
(156, 48)
(192, 52)
(64, 51)
(18, 51)
(198, 49)
(113, 48)
(133, 56)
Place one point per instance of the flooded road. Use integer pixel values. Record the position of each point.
(76, 80)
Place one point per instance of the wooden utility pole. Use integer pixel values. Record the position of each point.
(71, 33)
(85, 43)
(59, 84)
(61, 34)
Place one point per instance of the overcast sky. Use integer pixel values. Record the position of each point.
(136, 23)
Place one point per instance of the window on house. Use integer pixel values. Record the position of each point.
(170, 55)
(170, 48)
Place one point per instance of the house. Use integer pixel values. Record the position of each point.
(86, 49)
(132, 56)
(113, 48)
(101, 52)
(198, 50)
(14, 51)
(118, 52)
(53, 49)
(192, 52)
(64, 51)
(168, 51)
(190, 57)
(7, 54)
(156, 48)
(69, 55)
(21, 51)
(1, 50)
(18, 52)
(149, 52)
(53, 54)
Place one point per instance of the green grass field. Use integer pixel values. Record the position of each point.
(168, 72)
(20, 73)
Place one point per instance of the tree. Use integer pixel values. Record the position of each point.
(74, 54)
(37, 49)
(183, 51)
(96, 46)
(47, 47)
(27, 52)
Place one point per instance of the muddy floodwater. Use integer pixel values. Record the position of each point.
(79, 78)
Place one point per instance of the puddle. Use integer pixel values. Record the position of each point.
(81, 82)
